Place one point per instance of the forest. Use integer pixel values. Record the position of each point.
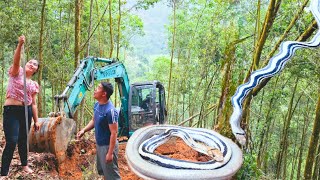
(212, 47)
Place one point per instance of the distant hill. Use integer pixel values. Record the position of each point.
(154, 42)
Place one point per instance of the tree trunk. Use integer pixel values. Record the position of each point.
(271, 121)
(183, 104)
(286, 32)
(111, 32)
(99, 32)
(177, 107)
(52, 97)
(119, 29)
(313, 143)
(40, 111)
(260, 107)
(77, 32)
(118, 49)
(308, 32)
(268, 22)
(172, 52)
(316, 165)
(228, 88)
(176, 93)
(205, 100)
(171, 115)
(83, 102)
(265, 130)
(77, 45)
(2, 80)
(44, 98)
(190, 104)
(284, 140)
(257, 26)
(294, 156)
(66, 40)
(303, 138)
(224, 106)
(89, 29)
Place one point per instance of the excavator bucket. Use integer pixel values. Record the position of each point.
(53, 136)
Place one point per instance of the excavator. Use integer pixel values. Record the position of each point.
(142, 104)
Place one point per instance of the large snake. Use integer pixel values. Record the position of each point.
(141, 146)
(201, 140)
(275, 65)
(149, 165)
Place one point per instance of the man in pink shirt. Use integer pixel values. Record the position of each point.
(14, 122)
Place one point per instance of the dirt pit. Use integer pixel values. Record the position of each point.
(80, 162)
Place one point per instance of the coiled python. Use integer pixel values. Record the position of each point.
(201, 140)
(148, 165)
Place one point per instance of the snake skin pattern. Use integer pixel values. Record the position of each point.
(152, 166)
(199, 139)
(275, 65)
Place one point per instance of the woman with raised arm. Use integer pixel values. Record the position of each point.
(14, 120)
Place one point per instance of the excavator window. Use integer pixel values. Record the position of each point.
(136, 100)
(142, 106)
(147, 103)
(141, 100)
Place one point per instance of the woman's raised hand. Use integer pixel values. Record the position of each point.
(22, 39)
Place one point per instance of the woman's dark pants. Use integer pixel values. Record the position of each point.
(14, 126)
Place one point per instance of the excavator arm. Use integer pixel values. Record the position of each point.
(119, 73)
(83, 80)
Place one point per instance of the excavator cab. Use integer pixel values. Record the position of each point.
(146, 106)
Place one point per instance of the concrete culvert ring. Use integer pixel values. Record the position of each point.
(149, 170)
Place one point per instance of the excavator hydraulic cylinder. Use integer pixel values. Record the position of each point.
(53, 136)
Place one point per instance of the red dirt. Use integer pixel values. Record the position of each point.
(80, 162)
(177, 149)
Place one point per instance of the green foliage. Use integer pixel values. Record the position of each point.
(145, 4)
(159, 70)
(249, 169)
(89, 171)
